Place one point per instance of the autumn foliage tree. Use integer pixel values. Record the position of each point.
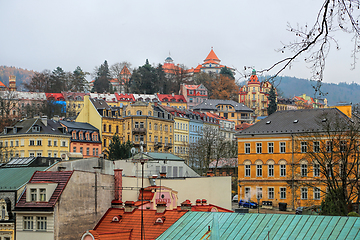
(224, 87)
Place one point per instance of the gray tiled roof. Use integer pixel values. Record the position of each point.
(25, 127)
(79, 125)
(100, 104)
(293, 121)
(210, 104)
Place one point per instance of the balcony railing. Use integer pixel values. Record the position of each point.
(168, 145)
(158, 144)
(139, 130)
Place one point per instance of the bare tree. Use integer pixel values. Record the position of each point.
(313, 42)
(328, 162)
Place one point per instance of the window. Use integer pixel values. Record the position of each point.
(55, 143)
(342, 146)
(81, 149)
(316, 193)
(303, 170)
(28, 223)
(303, 147)
(38, 154)
(270, 193)
(247, 193)
(49, 143)
(247, 170)
(270, 170)
(110, 128)
(258, 147)
(31, 143)
(31, 154)
(38, 142)
(42, 194)
(41, 223)
(304, 193)
(49, 154)
(282, 170)
(270, 147)
(316, 146)
(33, 194)
(282, 193)
(139, 112)
(316, 170)
(136, 124)
(329, 146)
(259, 193)
(74, 149)
(63, 143)
(88, 151)
(247, 148)
(259, 170)
(104, 128)
(136, 138)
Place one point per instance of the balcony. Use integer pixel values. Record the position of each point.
(158, 145)
(168, 145)
(137, 144)
(139, 130)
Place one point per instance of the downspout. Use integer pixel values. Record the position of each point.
(292, 171)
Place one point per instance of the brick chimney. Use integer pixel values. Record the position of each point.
(198, 202)
(186, 205)
(160, 207)
(204, 202)
(117, 202)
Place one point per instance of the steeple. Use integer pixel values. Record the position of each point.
(212, 56)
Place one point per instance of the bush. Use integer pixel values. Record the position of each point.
(353, 214)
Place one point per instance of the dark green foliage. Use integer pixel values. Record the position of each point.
(58, 80)
(118, 150)
(102, 80)
(334, 203)
(78, 80)
(272, 101)
(227, 72)
(353, 214)
(147, 79)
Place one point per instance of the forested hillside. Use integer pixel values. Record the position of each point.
(22, 75)
(336, 93)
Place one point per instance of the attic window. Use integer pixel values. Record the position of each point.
(36, 128)
(296, 121)
(160, 220)
(116, 218)
(268, 122)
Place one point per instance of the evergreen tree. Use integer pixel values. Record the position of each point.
(227, 72)
(102, 80)
(58, 80)
(118, 150)
(145, 80)
(272, 101)
(78, 80)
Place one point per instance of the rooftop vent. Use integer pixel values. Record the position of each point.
(268, 122)
(324, 120)
(296, 121)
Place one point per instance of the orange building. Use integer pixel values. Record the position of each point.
(274, 163)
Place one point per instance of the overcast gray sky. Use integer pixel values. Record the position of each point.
(44, 34)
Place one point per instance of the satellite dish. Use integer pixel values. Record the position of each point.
(133, 150)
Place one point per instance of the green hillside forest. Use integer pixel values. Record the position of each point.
(22, 75)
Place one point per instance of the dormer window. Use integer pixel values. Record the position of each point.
(14, 130)
(42, 195)
(36, 128)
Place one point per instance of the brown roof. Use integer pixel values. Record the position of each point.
(129, 227)
(61, 178)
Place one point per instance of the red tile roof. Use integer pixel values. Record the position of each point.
(55, 96)
(125, 71)
(125, 97)
(212, 56)
(61, 178)
(2, 85)
(191, 87)
(171, 98)
(129, 224)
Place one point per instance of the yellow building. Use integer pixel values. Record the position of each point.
(74, 102)
(172, 100)
(228, 109)
(255, 95)
(150, 124)
(34, 138)
(274, 163)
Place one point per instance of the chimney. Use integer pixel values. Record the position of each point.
(152, 180)
(186, 205)
(129, 206)
(198, 202)
(118, 183)
(204, 202)
(160, 207)
(44, 120)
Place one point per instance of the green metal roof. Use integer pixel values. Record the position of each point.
(194, 225)
(159, 156)
(14, 178)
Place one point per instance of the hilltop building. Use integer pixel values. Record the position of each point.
(255, 94)
(194, 94)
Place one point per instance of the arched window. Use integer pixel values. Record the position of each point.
(270, 164)
(247, 166)
(258, 164)
(138, 112)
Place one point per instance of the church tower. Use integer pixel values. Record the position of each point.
(12, 83)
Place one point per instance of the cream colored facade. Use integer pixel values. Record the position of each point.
(181, 136)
